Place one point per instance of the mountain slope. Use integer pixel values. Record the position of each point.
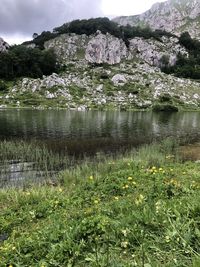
(175, 16)
(102, 70)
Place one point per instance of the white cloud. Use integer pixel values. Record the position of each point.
(15, 38)
(126, 7)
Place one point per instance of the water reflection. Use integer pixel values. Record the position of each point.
(97, 128)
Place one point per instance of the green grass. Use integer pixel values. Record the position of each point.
(22, 153)
(117, 212)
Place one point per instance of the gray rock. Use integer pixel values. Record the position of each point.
(153, 51)
(68, 47)
(3, 45)
(119, 79)
(175, 16)
(105, 49)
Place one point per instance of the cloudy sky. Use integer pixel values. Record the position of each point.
(19, 19)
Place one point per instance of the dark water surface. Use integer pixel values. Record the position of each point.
(90, 131)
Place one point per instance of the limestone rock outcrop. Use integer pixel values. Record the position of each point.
(105, 49)
(153, 51)
(175, 16)
(68, 47)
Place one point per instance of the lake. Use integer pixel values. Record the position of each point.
(86, 132)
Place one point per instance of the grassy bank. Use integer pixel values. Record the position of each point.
(141, 209)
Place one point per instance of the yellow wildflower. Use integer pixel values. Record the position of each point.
(91, 177)
(116, 198)
(96, 201)
(130, 178)
(60, 190)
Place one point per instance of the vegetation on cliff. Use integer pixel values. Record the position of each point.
(91, 26)
(187, 67)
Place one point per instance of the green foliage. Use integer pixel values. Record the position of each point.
(3, 86)
(91, 26)
(39, 40)
(186, 67)
(21, 61)
(115, 213)
(165, 108)
(165, 98)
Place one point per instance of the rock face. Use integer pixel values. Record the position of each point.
(106, 49)
(68, 47)
(99, 48)
(175, 16)
(154, 52)
(3, 45)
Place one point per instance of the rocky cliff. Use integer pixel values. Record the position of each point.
(105, 48)
(175, 16)
(3, 45)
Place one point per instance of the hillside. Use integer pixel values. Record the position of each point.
(97, 64)
(175, 16)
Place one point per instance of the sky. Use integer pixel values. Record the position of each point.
(19, 19)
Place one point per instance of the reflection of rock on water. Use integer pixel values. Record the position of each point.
(191, 152)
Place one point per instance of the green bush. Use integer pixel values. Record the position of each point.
(3, 86)
(165, 108)
(165, 98)
(186, 67)
(21, 61)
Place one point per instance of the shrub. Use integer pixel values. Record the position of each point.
(3, 86)
(21, 61)
(165, 108)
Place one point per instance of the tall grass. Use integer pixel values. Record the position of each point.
(28, 158)
(36, 162)
(157, 154)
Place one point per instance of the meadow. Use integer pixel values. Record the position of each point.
(137, 209)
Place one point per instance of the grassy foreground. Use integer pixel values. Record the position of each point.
(137, 210)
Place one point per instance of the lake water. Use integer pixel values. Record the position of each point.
(88, 132)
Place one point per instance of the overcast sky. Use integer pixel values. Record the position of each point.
(19, 19)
